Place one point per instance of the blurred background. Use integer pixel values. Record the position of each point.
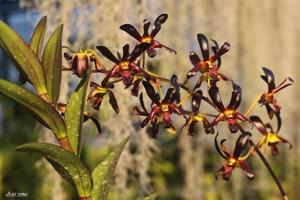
(261, 33)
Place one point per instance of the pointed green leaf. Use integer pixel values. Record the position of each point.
(37, 38)
(153, 196)
(23, 57)
(75, 112)
(61, 170)
(68, 163)
(39, 108)
(52, 63)
(103, 173)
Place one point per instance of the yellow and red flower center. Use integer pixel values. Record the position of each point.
(269, 96)
(146, 40)
(205, 66)
(164, 107)
(124, 65)
(229, 113)
(231, 161)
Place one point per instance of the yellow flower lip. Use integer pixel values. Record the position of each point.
(198, 117)
(124, 65)
(273, 138)
(146, 39)
(229, 113)
(231, 161)
(101, 90)
(171, 130)
(165, 107)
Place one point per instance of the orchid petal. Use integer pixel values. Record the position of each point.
(241, 144)
(215, 97)
(131, 30)
(256, 121)
(107, 53)
(203, 43)
(138, 50)
(236, 97)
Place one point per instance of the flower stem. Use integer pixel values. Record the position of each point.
(266, 163)
(252, 105)
(185, 98)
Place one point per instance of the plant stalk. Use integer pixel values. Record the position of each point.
(266, 163)
(65, 143)
(85, 198)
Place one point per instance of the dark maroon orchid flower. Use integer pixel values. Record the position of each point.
(99, 92)
(148, 37)
(80, 62)
(267, 98)
(124, 66)
(61, 107)
(160, 109)
(230, 113)
(270, 137)
(206, 65)
(195, 116)
(234, 160)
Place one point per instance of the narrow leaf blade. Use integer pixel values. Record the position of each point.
(103, 174)
(153, 196)
(23, 57)
(65, 160)
(75, 112)
(39, 108)
(37, 38)
(52, 63)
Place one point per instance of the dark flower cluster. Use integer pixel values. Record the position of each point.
(129, 68)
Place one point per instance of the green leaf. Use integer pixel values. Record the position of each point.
(52, 63)
(37, 38)
(68, 163)
(61, 170)
(36, 43)
(39, 108)
(103, 173)
(153, 196)
(75, 112)
(23, 57)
